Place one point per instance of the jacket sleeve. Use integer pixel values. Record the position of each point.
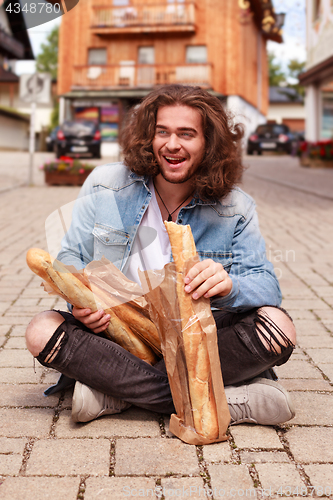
(254, 281)
(77, 246)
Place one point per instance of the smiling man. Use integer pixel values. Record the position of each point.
(181, 163)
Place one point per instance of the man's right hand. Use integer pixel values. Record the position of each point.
(96, 321)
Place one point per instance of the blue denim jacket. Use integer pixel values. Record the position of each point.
(112, 203)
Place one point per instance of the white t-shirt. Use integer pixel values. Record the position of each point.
(151, 249)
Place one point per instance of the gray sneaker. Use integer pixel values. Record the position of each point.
(89, 404)
(261, 401)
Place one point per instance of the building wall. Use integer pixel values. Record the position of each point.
(233, 48)
(279, 112)
(319, 32)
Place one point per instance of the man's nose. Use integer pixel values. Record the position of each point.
(173, 142)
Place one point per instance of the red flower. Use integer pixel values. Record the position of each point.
(322, 151)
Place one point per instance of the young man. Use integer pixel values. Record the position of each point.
(182, 164)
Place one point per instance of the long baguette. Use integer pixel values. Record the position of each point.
(70, 288)
(194, 339)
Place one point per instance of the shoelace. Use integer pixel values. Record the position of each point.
(241, 409)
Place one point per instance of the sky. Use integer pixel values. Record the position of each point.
(292, 48)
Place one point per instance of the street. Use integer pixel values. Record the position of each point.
(133, 454)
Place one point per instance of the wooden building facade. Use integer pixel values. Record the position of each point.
(113, 52)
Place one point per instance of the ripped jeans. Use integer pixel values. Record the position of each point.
(103, 365)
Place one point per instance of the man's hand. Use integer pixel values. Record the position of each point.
(97, 321)
(208, 278)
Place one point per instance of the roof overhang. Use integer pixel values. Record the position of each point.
(319, 73)
(20, 34)
(265, 18)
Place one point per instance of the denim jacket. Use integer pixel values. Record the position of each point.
(112, 202)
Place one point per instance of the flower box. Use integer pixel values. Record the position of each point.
(316, 154)
(65, 178)
(66, 172)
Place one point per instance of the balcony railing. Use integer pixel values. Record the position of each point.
(10, 45)
(161, 16)
(141, 75)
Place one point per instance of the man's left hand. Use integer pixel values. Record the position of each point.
(208, 278)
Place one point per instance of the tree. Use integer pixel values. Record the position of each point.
(47, 60)
(275, 72)
(295, 68)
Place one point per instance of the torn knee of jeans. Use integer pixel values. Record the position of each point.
(56, 348)
(270, 334)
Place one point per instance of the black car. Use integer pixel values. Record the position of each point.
(50, 139)
(78, 138)
(270, 137)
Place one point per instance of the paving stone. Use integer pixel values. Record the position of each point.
(65, 457)
(312, 408)
(26, 395)
(217, 452)
(324, 315)
(11, 456)
(27, 302)
(279, 477)
(16, 357)
(321, 477)
(18, 330)
(18, 320)
(183, 487)
(301, 304)
(302, 314)
(229, 480)
(328, 370)
(4, 329)
(263, 457)
(295, 369)
(50, 376)
(323, 355)
(324, 291)
(309, 327)
(113, 488)
(255, 436)
(306, 385)
(30, 422)
(133, 422)
(21, 375)
(16, 343)
(40, 488)
(318, 341)
(160, 457)
(311, 444)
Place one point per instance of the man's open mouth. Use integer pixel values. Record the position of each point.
(174, 161)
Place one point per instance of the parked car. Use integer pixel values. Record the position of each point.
(50, 139)
(270, 137)
(78, 138)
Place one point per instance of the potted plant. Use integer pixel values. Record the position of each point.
(316, 154)
(66, 171)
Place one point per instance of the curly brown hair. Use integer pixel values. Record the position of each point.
(221, 167)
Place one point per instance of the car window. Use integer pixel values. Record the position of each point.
(79, 128)
(272, 129)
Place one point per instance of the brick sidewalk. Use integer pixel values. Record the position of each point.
(43, 454)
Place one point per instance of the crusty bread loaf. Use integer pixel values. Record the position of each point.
(70, 288)
(194, 339)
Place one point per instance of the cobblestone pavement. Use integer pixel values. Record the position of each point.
(44, 455)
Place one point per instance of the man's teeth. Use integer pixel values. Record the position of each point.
(174, 160)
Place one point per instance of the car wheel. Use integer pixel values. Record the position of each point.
(259, 152)
(249, 152)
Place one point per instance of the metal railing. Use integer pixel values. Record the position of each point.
(159, 14)
(142, 75)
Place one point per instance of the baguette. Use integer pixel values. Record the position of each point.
(70, 288)
(194, 339)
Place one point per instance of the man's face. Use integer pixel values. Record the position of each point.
(179, 142)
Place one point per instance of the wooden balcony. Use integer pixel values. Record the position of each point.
(131, 76)
(160, 17)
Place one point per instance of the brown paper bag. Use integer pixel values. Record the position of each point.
(164, 312)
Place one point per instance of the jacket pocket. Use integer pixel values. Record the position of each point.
(224, 258)
(110, 243)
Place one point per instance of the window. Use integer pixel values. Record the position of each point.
(196, 54)
(118, 3)
(316, 9)
(97, 57)
(146, 55)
